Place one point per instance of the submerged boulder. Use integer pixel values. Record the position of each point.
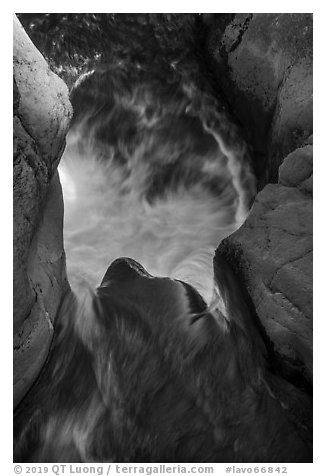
(42, 113)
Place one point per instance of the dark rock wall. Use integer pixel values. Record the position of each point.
(264, 65)
(42, 113)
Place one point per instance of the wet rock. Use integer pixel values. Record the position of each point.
(272, 257)
(42, 112)
(264, 66)
(296, 169)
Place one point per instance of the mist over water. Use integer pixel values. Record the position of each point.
(153, 170)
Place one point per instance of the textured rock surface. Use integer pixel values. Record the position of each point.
(264, 65)
(42, 113)
(272, 256)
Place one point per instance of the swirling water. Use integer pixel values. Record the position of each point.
(155, 170)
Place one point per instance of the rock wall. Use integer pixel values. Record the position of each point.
(263, 63)
(42, 113)
(272, 257)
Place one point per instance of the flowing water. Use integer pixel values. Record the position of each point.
(153, 170)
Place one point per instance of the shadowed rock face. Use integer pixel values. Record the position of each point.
(41, 117)
(265, 67)
(264, 62)
(272, 255)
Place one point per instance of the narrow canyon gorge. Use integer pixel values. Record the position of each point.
(163, 237)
